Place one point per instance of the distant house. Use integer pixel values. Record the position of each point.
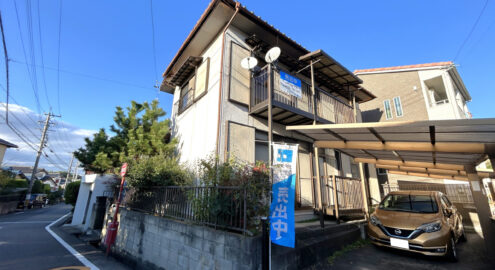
(3, 147)
(433, 91)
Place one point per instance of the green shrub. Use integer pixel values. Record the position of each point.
(71, 192)
(160, 170)
(217, 203)
(37, 187)
(54, 197)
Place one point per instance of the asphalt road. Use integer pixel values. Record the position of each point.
(371, 257)
(25, 244)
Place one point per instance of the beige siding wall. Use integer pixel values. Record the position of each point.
(389, 85)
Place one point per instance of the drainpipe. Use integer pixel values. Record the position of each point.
(217, 147)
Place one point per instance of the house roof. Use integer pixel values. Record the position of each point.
(406, 67)
(8, 144)
(449, 65)
(214, 19)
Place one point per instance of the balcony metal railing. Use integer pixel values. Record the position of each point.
(328, 107)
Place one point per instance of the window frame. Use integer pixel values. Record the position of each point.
(183, 109)
(395, 99)
(385, 102)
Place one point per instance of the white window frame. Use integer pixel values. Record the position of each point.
(400, 105)
(390, 108)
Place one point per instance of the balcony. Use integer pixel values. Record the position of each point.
(291, 110)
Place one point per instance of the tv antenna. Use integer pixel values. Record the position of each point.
(249, 62)
(272, 55)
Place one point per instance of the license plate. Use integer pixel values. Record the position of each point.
(399, 243)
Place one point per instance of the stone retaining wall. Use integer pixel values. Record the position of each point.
(160, 243)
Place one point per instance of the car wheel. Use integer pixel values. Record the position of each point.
(451, 250)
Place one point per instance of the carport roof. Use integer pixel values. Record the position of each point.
(430, 144)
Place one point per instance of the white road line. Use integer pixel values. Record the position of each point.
(24, 222)
(76, 254)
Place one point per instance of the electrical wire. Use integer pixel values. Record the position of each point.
(154, 48)
(41, 53)
(471, 31)
(58, 56)
(86, 75)
(34, 86)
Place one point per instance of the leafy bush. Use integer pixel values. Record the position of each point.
(54, 197)
(232, 173)
(37, 187)
(160, 170)
(71, 192)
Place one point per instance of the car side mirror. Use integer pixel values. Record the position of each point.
(448, 212)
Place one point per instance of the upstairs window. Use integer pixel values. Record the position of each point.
(187, 94)
(398, 106)
(388, 109)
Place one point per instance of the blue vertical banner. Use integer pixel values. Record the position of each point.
(282, 228)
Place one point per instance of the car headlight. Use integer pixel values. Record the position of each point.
(431, 227)
(375, 221)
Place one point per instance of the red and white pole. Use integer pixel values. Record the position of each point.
(113, 226)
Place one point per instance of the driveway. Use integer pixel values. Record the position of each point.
(370, 257)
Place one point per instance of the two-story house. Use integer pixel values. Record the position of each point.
(433, 91)
(221, 109)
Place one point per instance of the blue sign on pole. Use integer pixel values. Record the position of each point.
(282, 228)
(290, 85)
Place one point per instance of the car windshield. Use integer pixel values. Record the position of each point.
(409, 203)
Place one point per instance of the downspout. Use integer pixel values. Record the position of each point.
(217, 147)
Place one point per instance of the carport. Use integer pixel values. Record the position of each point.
(445, 149)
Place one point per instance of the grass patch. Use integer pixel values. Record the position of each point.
(358, 244)
(309, 220)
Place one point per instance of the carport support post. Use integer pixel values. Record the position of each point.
(361, 167)
(483, 210)
(363, 189)
(318, 185)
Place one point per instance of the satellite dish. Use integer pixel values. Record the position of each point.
(249, 62)
(272, 54)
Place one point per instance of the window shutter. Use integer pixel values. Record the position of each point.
(202, 79)
(240, 78)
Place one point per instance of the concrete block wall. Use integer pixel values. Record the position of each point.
(160, 243)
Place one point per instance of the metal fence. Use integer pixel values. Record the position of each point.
(218, 207)
(349, 193)
(457, 193)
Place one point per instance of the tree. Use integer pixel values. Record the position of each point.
(97, 147)
(71, 192)
(37, 187)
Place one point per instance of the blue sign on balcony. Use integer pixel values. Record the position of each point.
(290, 85)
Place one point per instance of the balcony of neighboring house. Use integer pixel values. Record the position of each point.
(333, 81)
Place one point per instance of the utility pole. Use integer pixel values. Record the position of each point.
(40, 151)
(76, 172)
(68, 171)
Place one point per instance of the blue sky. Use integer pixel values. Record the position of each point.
(112, 40)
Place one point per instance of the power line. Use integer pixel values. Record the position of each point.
(471, 31)
(58, 56)
(34, 86)
(42, 60)
(87, 75)
(154, 49)
(6, 55)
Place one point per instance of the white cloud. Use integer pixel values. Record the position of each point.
(84, 132)
(62, 139)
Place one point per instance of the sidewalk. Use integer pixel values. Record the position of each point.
(91, 253)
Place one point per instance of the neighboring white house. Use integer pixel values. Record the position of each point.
(221, 109)
(93, 189)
